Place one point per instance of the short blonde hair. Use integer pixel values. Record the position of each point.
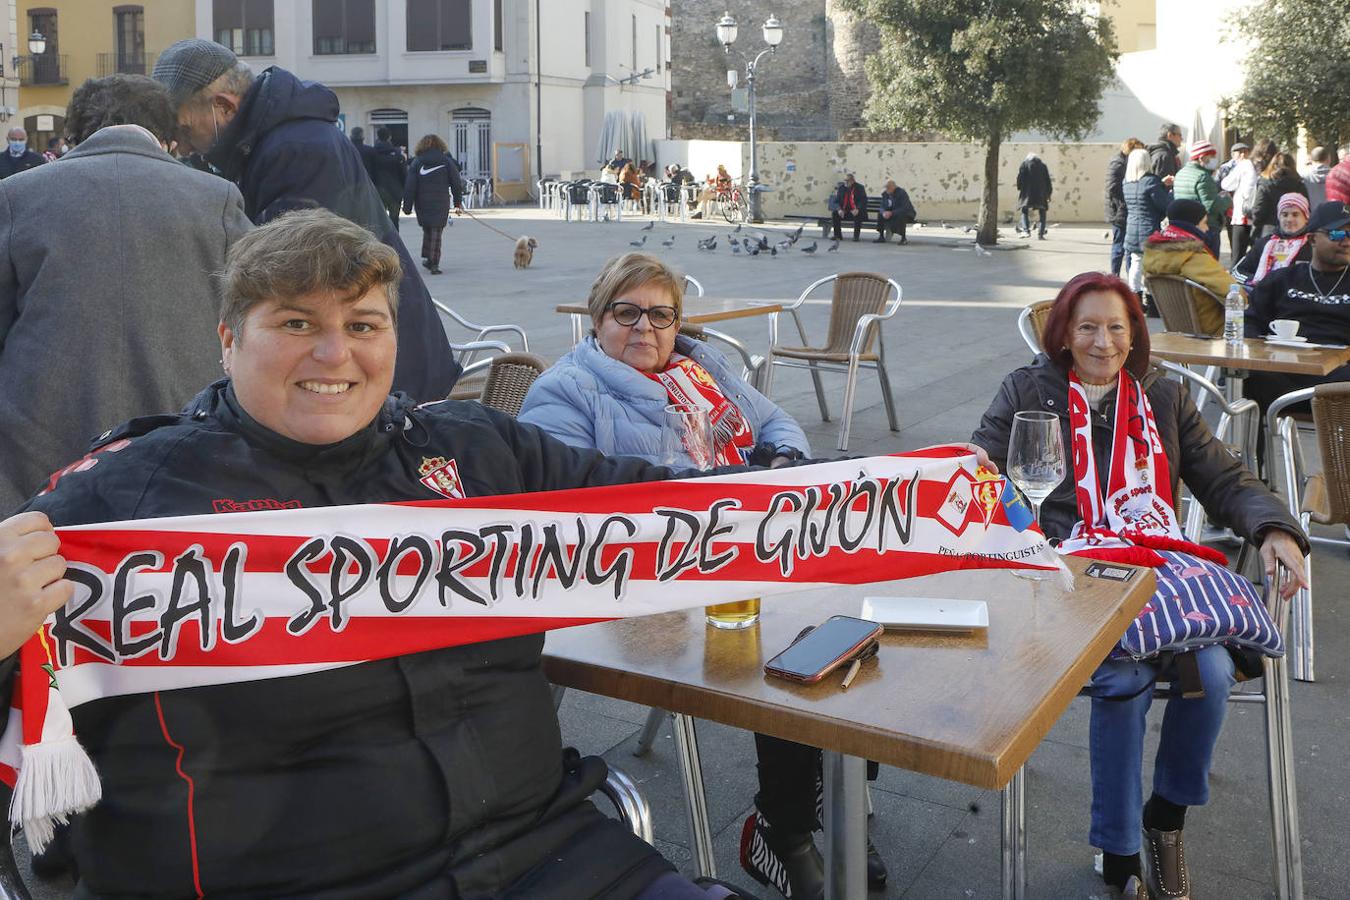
(302, 252)
(633, 270)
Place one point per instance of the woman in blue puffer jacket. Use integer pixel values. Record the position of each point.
(1146, 200)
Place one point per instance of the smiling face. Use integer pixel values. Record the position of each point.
(643, 347)
(315, 368)
(1292, 220)
(1099, 337)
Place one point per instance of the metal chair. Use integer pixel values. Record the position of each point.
(1313, 497)
(606, 195)
(508, 380)
(1031, 323)
(861, 302)
(633, 809)
(752, 364)
(479, 342)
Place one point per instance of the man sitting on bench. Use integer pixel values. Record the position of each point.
(850, 202)
(896, 212)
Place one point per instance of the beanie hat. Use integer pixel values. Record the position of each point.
(1199, 150)
(188, 66)
(1189, 211)
(1292, 201)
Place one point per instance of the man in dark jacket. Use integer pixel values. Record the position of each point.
(896, 212)
(1164, 153)
(388, 171)
(17, 157)
(1117, 213)
(850, 202)
(275, 137)
(432, 774)
(367, 152)
(1033, 192)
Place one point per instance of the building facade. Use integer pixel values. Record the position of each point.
(515, 87)
(84, 39)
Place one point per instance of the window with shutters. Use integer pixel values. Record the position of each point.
(440, 25)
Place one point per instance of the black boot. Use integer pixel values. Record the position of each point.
(788, 862)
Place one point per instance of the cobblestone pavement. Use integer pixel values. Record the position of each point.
(951, 343)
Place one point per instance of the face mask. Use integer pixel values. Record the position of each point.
(1211, 163)
(17, 147)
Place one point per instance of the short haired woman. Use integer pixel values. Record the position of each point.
(1134, 435)
(432, 177)
(1146, 199)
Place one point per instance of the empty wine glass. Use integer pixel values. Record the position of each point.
(1036, 463)
(687, 437)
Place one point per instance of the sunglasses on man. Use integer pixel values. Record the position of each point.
(1336, 234)
(626, 313)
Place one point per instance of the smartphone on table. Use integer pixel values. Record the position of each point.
(825, 648)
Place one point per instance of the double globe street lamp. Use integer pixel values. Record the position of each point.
(773, 36)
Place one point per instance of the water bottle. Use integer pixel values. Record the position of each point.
(1234, 308)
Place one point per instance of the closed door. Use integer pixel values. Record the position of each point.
(473, 143)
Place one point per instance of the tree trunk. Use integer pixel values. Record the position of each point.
(988, 224)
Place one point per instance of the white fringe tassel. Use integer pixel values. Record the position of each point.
(56, 780)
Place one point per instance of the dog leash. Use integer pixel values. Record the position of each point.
(490, 227)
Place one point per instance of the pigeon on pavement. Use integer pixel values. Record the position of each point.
(737, 229)
(638, 244)
(735, 247)
(796, 234)
(810, 248)
(834, 245)
(649, 226)
(669, 242)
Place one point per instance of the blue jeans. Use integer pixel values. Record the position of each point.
(1190, 730)
(1026, 219)
(1117, 249)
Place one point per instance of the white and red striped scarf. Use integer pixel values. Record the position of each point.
(688, 384)
(1136, 515)
(200, 600)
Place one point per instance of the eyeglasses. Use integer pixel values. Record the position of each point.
(626, 313)
(1336, 234)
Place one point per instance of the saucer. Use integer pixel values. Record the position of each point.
(1288, 342)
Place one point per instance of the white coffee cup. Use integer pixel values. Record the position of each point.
(1284, 328)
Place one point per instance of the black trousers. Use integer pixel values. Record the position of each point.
(1240, 241)
(788, 773)
(392, 206)
(893, 224)
(431, 244)
(1267, 387)
(856, 217)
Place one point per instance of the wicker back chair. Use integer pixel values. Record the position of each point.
(508, 381)
(1031, 324)
(1176, 298)
(860, 303)
(1327, 494)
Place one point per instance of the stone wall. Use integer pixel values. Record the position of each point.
(943, 179)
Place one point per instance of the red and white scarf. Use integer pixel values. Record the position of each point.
(1278, 253)
(689, 384)
(1136, 514)
(198, 600)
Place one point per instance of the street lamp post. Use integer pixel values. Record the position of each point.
(37, 45)
(773, 36)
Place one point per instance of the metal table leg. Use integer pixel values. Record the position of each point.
(578, 329)
(691, 768)
(845, 826)
(1015, 837)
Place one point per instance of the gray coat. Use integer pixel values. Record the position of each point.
(107, 305)
(1227, 490)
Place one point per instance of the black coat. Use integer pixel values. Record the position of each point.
(1229, 492)
(10, 165)
(1146, 203)
(1033, 184)
(1266, 203)
(432, 178)
(1249, 263)
(388, 170)
(899, 204)
(367, 156)
(1116, 211)
(1163, 158)
(438, 774)
(285, 152)
(859, 199)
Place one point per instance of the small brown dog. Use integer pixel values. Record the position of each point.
(525, 251)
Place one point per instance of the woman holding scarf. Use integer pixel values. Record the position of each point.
(1182, 248)
(1135, 434)
(1288, 245)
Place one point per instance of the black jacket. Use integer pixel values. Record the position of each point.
(899, 204)
(432, 178)
(1267, 199)
(285, 152)
(1163, 157)
(1320, 301)
(859, 199)
(367, 156)
(11, 165)
(1247, 266)
(1146, 202)
(1033, 184)
(1229, 492)
(434, 775)
(387, 170)
(1116, 211)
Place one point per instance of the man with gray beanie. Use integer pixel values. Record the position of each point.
(274, 136)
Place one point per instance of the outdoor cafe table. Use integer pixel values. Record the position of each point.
(968, 708)
(1255, 355)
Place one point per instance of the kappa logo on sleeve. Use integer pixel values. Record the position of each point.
(262, 503)
(442, 476)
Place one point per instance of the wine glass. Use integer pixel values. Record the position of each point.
(1036, 463)
(687, 437)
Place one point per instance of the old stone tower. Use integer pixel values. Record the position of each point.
(813, 88)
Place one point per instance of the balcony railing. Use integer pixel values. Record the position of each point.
(125, 64)
(45, 68)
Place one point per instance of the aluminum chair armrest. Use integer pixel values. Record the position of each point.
(1282, 403)
(865, 322)
(1025, 329)
(483, 330)
(801, 298)
(1200, 287)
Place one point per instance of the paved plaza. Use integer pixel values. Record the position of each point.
(949, 346)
